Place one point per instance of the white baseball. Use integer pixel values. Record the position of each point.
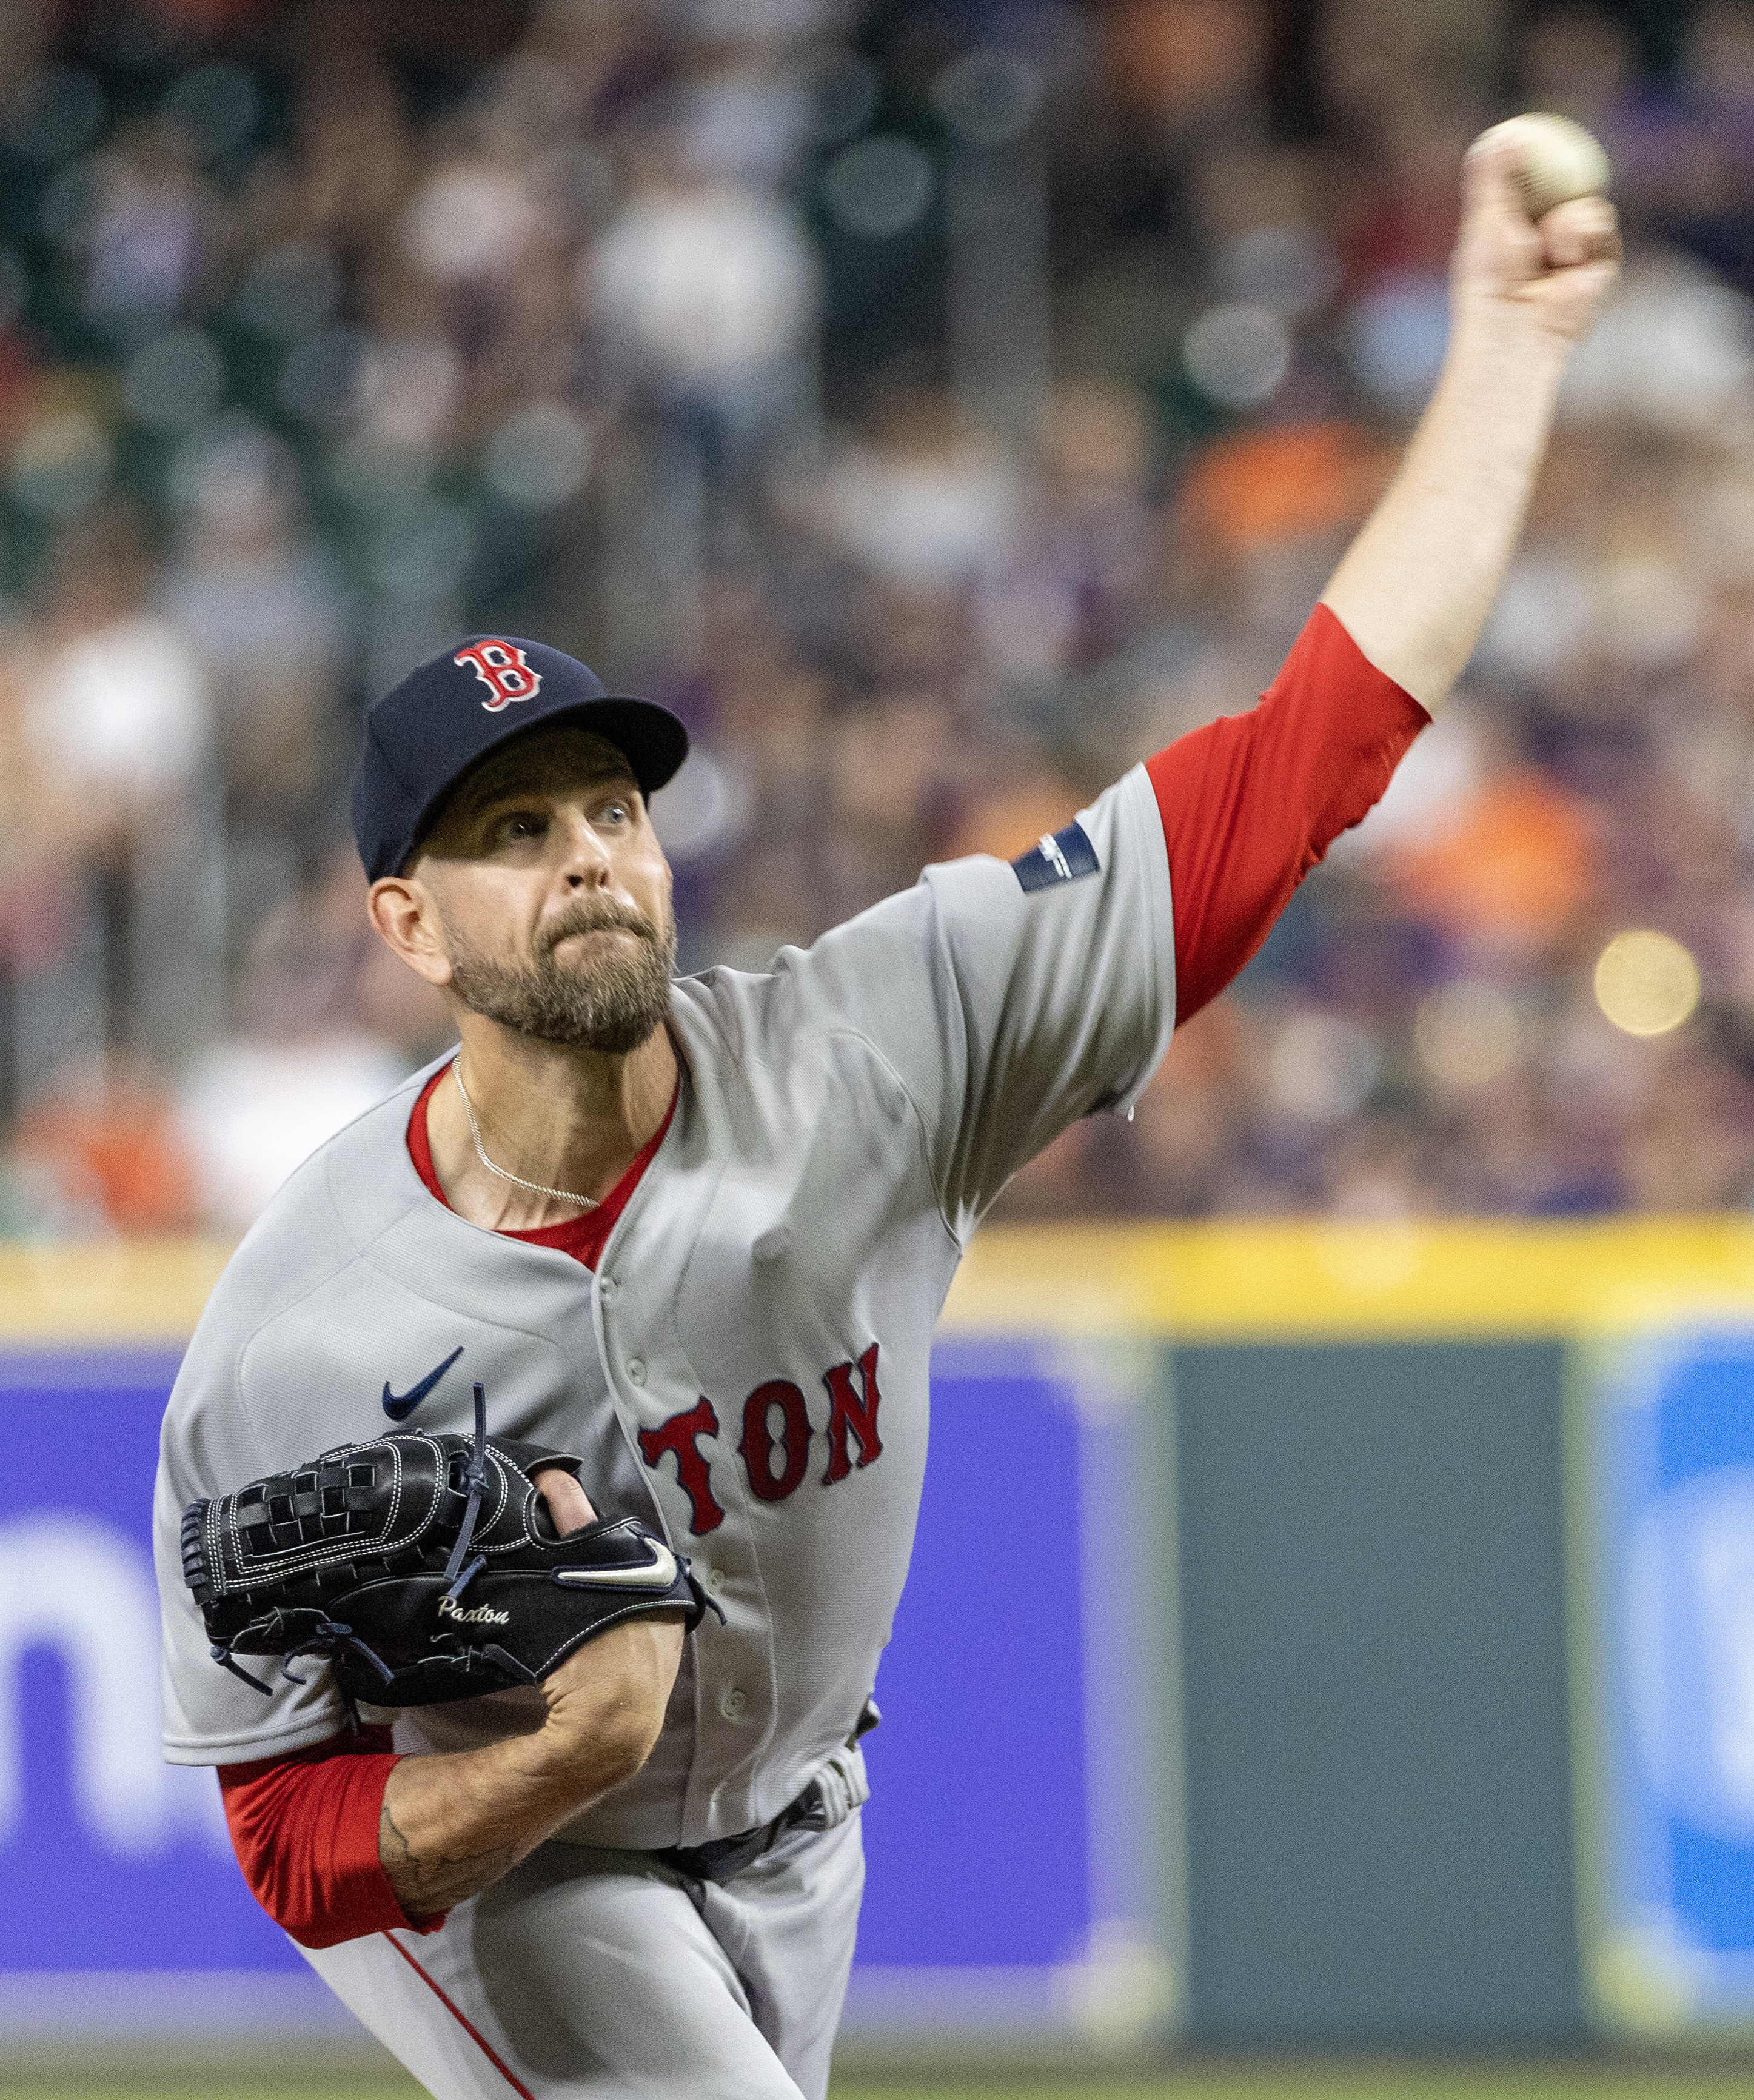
(1557, 160)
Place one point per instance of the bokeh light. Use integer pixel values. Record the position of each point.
(59, 465)
(289, 291)
(218, 105)
(1322, 1067)
(1646, 983)
(988, 97)
(880, 187)
(59, 114)
(1467, 1033)
(538, 457)
(1237, 355)
(174, 379)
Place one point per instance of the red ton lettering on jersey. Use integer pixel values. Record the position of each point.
(776, 1439)
(504, 670)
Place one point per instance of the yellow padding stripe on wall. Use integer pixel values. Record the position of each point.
(1203, 1282)
(1301, 1279)
(104, 1291)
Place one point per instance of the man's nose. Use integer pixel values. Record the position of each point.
(585, 859)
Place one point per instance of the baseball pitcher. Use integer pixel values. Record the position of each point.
(539, 1485)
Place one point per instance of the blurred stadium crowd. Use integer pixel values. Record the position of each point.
(942, 403)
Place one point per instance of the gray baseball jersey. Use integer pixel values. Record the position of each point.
(746, 1369)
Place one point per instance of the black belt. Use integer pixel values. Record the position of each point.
(720, 1858)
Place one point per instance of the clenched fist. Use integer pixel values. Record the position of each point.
(1510, 271)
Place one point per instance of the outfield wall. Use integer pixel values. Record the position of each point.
(1364, 1652)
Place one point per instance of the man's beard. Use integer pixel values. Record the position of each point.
(613, 1006)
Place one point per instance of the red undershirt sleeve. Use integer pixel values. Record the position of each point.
(1251, 803)
(304, 1827)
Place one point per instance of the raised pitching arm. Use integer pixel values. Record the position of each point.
(1416, 586)
(1250, 803)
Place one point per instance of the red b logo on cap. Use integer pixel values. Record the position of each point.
(502, 667)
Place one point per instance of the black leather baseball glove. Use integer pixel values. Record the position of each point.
(421, 1567)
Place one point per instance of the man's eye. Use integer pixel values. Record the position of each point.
(616, 812)
(526, 824)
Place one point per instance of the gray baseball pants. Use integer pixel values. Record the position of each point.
(599, 1973)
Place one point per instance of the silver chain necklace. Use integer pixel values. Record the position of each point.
(535, 1187)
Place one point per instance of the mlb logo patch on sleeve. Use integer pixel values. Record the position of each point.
(1059, 857)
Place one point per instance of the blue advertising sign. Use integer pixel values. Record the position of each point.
(991, 1874)
(1669, 1835)
(972, 1860)
(1021, 1808)
(100, 1841)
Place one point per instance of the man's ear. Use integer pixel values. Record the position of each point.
(406, 916)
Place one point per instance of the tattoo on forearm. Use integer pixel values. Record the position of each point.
(428, 1883)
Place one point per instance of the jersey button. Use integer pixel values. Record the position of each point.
(715, 1581)
(636, 1369)
(733, 1702)
(608, 1289)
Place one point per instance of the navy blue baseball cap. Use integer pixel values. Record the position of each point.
(426, 732)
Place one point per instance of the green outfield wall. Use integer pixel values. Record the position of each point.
(1371, 1446)
(1378, 1821)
